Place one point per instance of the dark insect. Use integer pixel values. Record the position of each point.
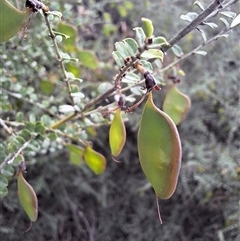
(150, 82)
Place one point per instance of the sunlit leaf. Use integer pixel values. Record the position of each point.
(152, 54)
(147, 27)
(158, 42)
(159, 149)
(12, 20)
(176, 105)
(27, 197)
(117, 134)
(95, 161)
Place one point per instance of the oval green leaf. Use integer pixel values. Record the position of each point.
(152, 54)
(70, 33)
(12, 20)
(159, 149)
(95, 161)
(118, 58)
(147, 27)
(132, 45)
(176, 105)
(122, 49)
(140, 36)
(27, 197)
(117, 134)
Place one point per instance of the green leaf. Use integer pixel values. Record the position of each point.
(87, 58)
(19, 117)
(27, 197)
(117, 134)
(12, 20)
(70, 33)
(75, 154)
(95, 161)
(7, 171)
(118, 58)
(26, 134)
(158, 42)
(140, 36)
(177, 50)
(147, 27)
(131, 46)
(3, 181)
(147, 65)
(152, 54)
(130, 78)
(39, 128)
(3, 192)
(121, 48)
(159, 149)
(176, 105)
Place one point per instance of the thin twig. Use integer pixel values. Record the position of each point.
(59, 57)
(193, 25)
(9, 130)
(18, 152)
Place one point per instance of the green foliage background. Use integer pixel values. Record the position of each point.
(75, 204)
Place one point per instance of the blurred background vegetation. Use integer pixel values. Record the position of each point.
(74, 203)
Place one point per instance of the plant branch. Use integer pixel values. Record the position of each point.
(194, 24)
(59, 57)
(18, 152)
